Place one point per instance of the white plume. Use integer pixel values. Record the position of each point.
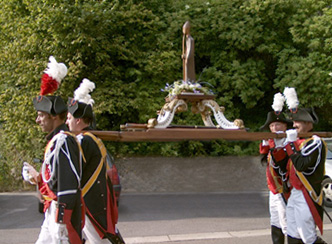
(291, 97)
(278, 102)
(56, 70)
(81, 94)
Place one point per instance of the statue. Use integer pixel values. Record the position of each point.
(188, 51)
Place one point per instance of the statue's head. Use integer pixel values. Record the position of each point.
(186, 28)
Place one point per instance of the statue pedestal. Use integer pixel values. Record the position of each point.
(200, 103)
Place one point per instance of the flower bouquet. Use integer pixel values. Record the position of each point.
(185, 87)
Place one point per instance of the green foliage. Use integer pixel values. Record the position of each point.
(246, 50)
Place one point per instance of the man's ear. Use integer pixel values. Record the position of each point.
(78, 121)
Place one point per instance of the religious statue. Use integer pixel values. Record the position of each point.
(188, 51)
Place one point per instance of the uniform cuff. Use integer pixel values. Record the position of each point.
(62, 214)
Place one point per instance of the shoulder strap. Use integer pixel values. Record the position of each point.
(95, 174)
(98, 142)
(310, 189)
(78, 143)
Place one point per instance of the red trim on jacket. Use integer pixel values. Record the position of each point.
(73, 236)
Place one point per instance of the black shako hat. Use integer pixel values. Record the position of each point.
(81, 105)
(303, 114)
(295, 113)
(50, 81)
(53, 105)
(79, 109)
(273, 116)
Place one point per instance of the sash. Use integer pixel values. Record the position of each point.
(274, 180)
(310, 189)
(112, 211)
(95, 174)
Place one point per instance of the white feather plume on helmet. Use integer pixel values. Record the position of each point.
(52, 77)
(56, 70)
(82, 95)
(291, 98)
(278, 102)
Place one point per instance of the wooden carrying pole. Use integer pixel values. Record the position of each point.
(199, 134)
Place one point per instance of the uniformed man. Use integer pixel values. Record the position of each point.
(97, 189)
(276, 175)
(59, 178)
(306, 166)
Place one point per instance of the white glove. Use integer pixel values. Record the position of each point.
(265, 143)
(62, 234)
(29, 173)
(291, 135)
(25, 173)
(279, 142)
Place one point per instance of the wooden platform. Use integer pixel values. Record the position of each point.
(197, 134)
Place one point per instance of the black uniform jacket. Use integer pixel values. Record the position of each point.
(313, 167)
(64, 187)
(99, 199)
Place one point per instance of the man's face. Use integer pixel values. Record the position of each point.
(45, 121)
(277, 126)
(72, 122)
(302, 126)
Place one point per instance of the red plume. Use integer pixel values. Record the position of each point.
(52, 76)
(48, 85)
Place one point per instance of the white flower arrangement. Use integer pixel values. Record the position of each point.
(182, 86)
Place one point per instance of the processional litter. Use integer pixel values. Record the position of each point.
(202, 101)
(189, 91)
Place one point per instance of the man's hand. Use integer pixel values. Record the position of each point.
(291, 135)
(265, 143)
(29, 173)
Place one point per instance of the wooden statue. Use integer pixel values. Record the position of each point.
(188, 52)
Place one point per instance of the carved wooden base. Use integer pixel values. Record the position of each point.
(200, 103)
